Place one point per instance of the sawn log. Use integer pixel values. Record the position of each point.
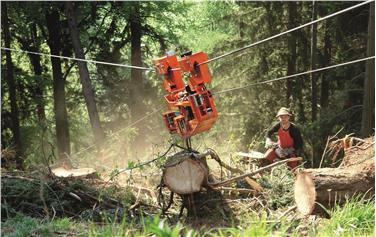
(317, 188)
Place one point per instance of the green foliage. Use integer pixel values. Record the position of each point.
(356, 217)
(161, 229)
(278, 186)
(19, 226)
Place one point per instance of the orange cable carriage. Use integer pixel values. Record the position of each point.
(191, 108)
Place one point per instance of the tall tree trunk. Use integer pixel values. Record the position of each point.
(315, 153)
(35, 60)
(12, 89)
(60, 108)
(87, 87)
(368, 113)
(325, 78)
(313, 63)
(136, 89)
(291, 43)
(304, 62)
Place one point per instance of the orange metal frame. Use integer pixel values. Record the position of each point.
(191, 108)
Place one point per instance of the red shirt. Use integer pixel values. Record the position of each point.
(284, 138)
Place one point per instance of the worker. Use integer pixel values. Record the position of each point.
(289, 140)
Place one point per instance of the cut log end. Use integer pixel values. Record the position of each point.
(305, 193)
(74, 173)
(185, 177)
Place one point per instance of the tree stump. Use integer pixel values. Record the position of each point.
(74, 173)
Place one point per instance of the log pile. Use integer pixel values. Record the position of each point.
(325, 187)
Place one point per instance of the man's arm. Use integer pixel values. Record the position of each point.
(269, 133)
(272, 130)
(297, 136)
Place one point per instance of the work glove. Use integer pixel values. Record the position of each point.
(268, 143)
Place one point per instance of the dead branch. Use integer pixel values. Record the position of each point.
(287, 212)
(257, 187)
(136, 203)
(18, 177)
(145, 190)
(323, 154)
(232, 180)
(238, 190)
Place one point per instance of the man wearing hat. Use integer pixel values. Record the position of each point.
(289, 140)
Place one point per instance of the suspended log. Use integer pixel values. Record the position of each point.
(326, 187)
(185, 175)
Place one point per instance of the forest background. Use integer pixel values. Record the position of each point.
(94, 114)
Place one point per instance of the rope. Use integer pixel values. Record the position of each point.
(119, 131)
(285, 32)
(294, 75)
(78, 59)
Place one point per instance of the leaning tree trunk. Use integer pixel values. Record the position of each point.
(329, 186)
(32, 44)
(37, 66)
(87, 87)
(12, 89)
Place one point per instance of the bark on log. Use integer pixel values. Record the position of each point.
(330, 186)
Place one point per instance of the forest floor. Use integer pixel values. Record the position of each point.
(37, 203)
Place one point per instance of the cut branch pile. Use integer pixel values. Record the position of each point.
(40, 195)
(48, 196)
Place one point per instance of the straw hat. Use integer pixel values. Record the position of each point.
(283, 111)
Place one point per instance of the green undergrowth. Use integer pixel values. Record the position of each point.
(355, 218)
